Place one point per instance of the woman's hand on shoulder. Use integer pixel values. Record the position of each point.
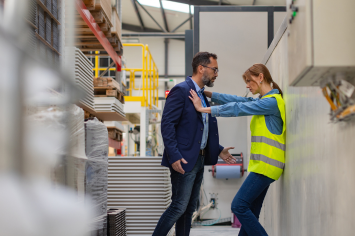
(208, 94)
(195, 100)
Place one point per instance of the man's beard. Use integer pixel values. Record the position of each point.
(207, 81)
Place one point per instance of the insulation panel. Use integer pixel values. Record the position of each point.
(142, 186)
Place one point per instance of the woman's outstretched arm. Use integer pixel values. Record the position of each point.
(266, 106)
(222, 98)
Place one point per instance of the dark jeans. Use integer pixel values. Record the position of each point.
(185, 193)
(247, 204)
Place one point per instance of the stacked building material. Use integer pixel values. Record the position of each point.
(115, 130)
(41, 23)
(142, 186)
(116, 222)
(47, 24)
(32, 29)
(32, 12)
(48, 21)
(109, 87)
(102, 12)
(55, 33)
(96, 172)
(108, 104)
(48, 4)
(46, 125)
(83, 74)
(55, 8)
(116, 23)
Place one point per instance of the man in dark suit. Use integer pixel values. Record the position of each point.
(191, 141)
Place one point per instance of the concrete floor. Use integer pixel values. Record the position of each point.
(214, 231)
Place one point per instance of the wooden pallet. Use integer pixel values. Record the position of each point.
(107, 82)
(104, 5)
(110, 93)
(116, 23)
(114, 134)
(108, 87)
(86, 41)
(88, 116)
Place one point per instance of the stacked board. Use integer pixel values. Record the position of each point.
(82, 68)
(141, 186)
(109, 104)
(116, 222)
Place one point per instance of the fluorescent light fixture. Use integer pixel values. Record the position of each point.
(168, 5)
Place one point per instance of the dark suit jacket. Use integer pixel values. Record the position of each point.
(182, 129)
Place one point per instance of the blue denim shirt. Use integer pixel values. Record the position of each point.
(204, 115)
(241, 106)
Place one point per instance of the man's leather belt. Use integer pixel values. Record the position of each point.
(202, 152)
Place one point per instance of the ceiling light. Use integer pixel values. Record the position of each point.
(168, 5)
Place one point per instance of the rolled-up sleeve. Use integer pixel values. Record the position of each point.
(214, 111)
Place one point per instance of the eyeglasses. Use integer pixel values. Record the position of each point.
(214, 69)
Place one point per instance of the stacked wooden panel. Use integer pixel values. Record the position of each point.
(116, 222)
(142, 186)
(104, 5)
(83, 75)
(116, 23)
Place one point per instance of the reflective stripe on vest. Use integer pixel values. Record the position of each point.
(272, 162)
(274, 143)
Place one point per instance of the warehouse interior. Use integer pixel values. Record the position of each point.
(83, 89)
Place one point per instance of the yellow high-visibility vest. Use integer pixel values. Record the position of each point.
(267, 154)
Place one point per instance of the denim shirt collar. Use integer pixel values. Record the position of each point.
(274, 91)
(197, 87)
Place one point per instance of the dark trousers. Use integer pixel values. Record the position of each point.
(247, 204)
(185, 193)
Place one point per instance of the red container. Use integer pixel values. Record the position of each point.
(235, 222)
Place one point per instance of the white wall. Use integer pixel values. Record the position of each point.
(315, 195)
(238, 46)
